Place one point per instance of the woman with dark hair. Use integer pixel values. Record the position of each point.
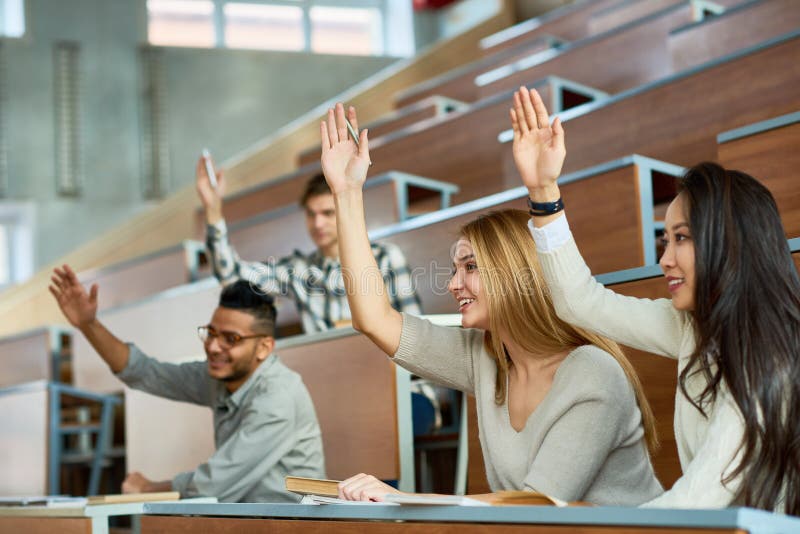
(733, 322)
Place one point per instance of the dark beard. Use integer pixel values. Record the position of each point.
(235, 375)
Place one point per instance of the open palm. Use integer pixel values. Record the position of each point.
(78, 306)
(538, 148)
(344, 163)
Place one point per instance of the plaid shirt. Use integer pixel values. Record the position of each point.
(313, 281)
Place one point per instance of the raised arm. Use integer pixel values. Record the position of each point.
(271, 278)
(539, 153)
(210, 196)
(80, 309)
(345, 166)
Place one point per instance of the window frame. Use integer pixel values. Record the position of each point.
(218, 17)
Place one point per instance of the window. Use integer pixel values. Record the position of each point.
(352, 27)
(342, 30)
(12, 18)
(268, 27)
(181, 22)
(16, 242)
(5, 253)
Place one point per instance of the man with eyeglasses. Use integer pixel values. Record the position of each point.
(265, 426)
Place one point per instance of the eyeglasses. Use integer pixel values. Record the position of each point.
(226, 340)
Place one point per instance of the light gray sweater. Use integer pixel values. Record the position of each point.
(583, 442)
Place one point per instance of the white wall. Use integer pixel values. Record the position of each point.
(224, 99)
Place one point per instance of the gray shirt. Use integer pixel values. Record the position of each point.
(584, 441)
(265, 430)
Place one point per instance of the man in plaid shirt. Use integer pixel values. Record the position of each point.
(313, 281)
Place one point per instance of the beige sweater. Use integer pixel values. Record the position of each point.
(708, 447)
(583, 442)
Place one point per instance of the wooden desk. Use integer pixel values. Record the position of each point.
(434, 105)
(460, 83)
(570, 22)
(614, 61)
(72, 520)
(611, 216)
(281, 191)
(388, 198)
(24, 419)
(618, 15)
(748, 24)
(673, 119)
(141, 277)
(461, 147)
(33, 355)
(362, 400)
(769, 152)
(380, 519)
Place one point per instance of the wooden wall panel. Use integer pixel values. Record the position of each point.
(773, 158)
(738, 29)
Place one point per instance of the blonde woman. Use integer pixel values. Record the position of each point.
(560, 411)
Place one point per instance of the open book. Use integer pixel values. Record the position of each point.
(320, 491)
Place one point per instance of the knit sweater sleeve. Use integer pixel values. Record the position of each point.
(703, 482)
(441, 354)
(650, 325)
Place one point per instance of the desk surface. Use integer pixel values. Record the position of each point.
(747, 519)
(94, 510)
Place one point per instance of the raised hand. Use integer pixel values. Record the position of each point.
(363, 487)
(539, 149)
(344, 164)
(210, 197)
(78, 306)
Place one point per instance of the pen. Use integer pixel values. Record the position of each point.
(354, 134)
(212, 177)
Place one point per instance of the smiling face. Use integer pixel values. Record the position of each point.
(321, 223)
(465, 286)
(233, 363)
(677, 262)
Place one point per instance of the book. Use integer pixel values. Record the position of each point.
(323, 491)
(502, 498)
(133, 497)
(43, 500)
(313, 486)
(433, 500)
(319, 499)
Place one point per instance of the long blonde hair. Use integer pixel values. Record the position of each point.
(519, 304)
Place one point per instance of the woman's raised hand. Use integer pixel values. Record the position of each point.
(344, 163)
(539, 149)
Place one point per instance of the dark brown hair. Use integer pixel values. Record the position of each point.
(242, 296)
(747, 319)
(315, 186)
